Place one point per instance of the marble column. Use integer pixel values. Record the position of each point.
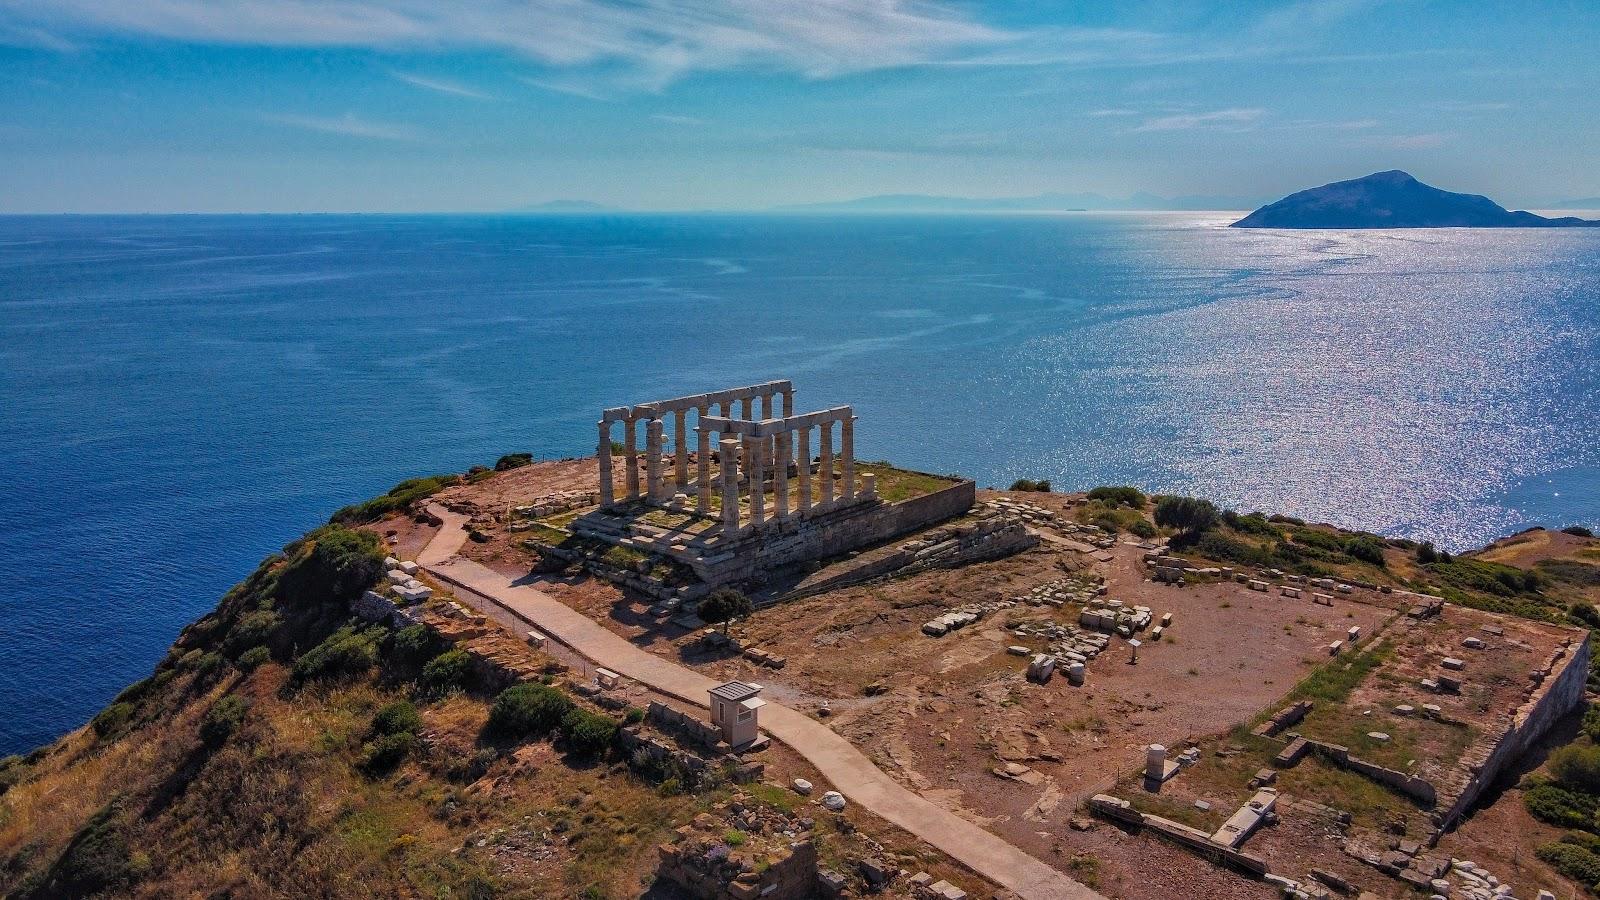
(680, 450)
(703, 465)
(652, 460)
(630, 457)
(758, 479)
(727, 409)
(766, 406)
(803, 467)
(603, 450)
(729, 448)
(745, 408)
(780, 475)
(825, 467)
(788, 403)
(847, 454)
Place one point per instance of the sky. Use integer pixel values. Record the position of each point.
(490, 105)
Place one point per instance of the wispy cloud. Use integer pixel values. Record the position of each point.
(439, 85)
(677, 120)
(657, 41)
(347, 125)
(1226, 118)
(1108, 113)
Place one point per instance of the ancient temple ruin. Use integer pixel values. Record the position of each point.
(735, 484)
(762, 452)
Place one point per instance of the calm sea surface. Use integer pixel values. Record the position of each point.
(181, 396)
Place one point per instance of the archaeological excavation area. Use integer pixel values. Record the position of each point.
(1145, 719)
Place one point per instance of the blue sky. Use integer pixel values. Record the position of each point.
(401, 105)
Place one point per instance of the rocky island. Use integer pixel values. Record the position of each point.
(1394, 199)
(724, 659)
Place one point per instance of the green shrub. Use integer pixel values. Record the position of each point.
(208, 666)
(413, 645)
(513, 461)
(222, 720)
(331, 565)
(1285, 520)
(447, 672)
(1106, 523)
(1570, 571)
(1583, 839)
(1559, 806)
(385, 752)
(1115, 494)
(1189, 514)
(344, 653)
(723, 605)
(1365, 548)
(1426, 554)
(1585, 613)
(397, 718)
(96, 861)
(254, 658)
(1250, 523)
(12, 768)
(1577, 768)
(252, 630)
(1143, 529)
(1571, 860)
(528, 710)
(587, 733)
(1484, 576)
(1028, 484)
(111, 720)
(399, 497)
(1578, 531)
(634, 716)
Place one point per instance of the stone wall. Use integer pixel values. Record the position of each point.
(1560, 690)
(777, 859)
(1417, 788)
(953, 545)
(832, 533)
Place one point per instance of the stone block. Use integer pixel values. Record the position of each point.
(1450, 662)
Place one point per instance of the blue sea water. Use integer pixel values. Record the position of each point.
(180, 396)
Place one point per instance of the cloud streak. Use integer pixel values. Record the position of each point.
(438, 85)
(347, 125)
(1223, 118)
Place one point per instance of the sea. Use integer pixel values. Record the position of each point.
(181, 396)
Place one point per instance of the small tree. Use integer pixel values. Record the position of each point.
(724, 605)
(1426, 554)
(1188, 514)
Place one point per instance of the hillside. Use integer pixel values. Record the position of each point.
(1393, 199)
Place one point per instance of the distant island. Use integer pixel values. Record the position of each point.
(1393, 199)
(565, 206)
(1051, 202)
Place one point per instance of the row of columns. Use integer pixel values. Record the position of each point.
(776, 453)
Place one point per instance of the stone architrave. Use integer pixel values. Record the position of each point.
(604, 454)
(825, 466)
(729, 448)
(652, 460)
(803, 467)
(680, 449)
(630, 456)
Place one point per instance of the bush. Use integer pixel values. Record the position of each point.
(222, 720)
(1578, 531)
(1584, 612)
(383, 753)
(1028, 484)
(208, 666)
(331, 565)
(1251, 523)
(1190, 514)
(1571, 860)
(1426, 554)
(1286, 520)
(587, 733)
(1106, 523)
(97, 860)
(1115, 494)
(399, 497)
(1366, 548)
(11, 771)
(513, 461)
(111, 720)
(447, 672)
(1143, 529)
(634, 716)
(413, 645)
(399, 717)
(344, 653)
(1577, 768)
(254, 658)
(252, 630)
(528, 710)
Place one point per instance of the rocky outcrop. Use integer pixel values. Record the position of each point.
(1393, 200)
(740, 851)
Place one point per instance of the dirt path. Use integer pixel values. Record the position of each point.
(850, 772)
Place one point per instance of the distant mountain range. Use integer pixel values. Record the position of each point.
(1393, 199)
(565, 206)
(1582, 203)
(1054, 202)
